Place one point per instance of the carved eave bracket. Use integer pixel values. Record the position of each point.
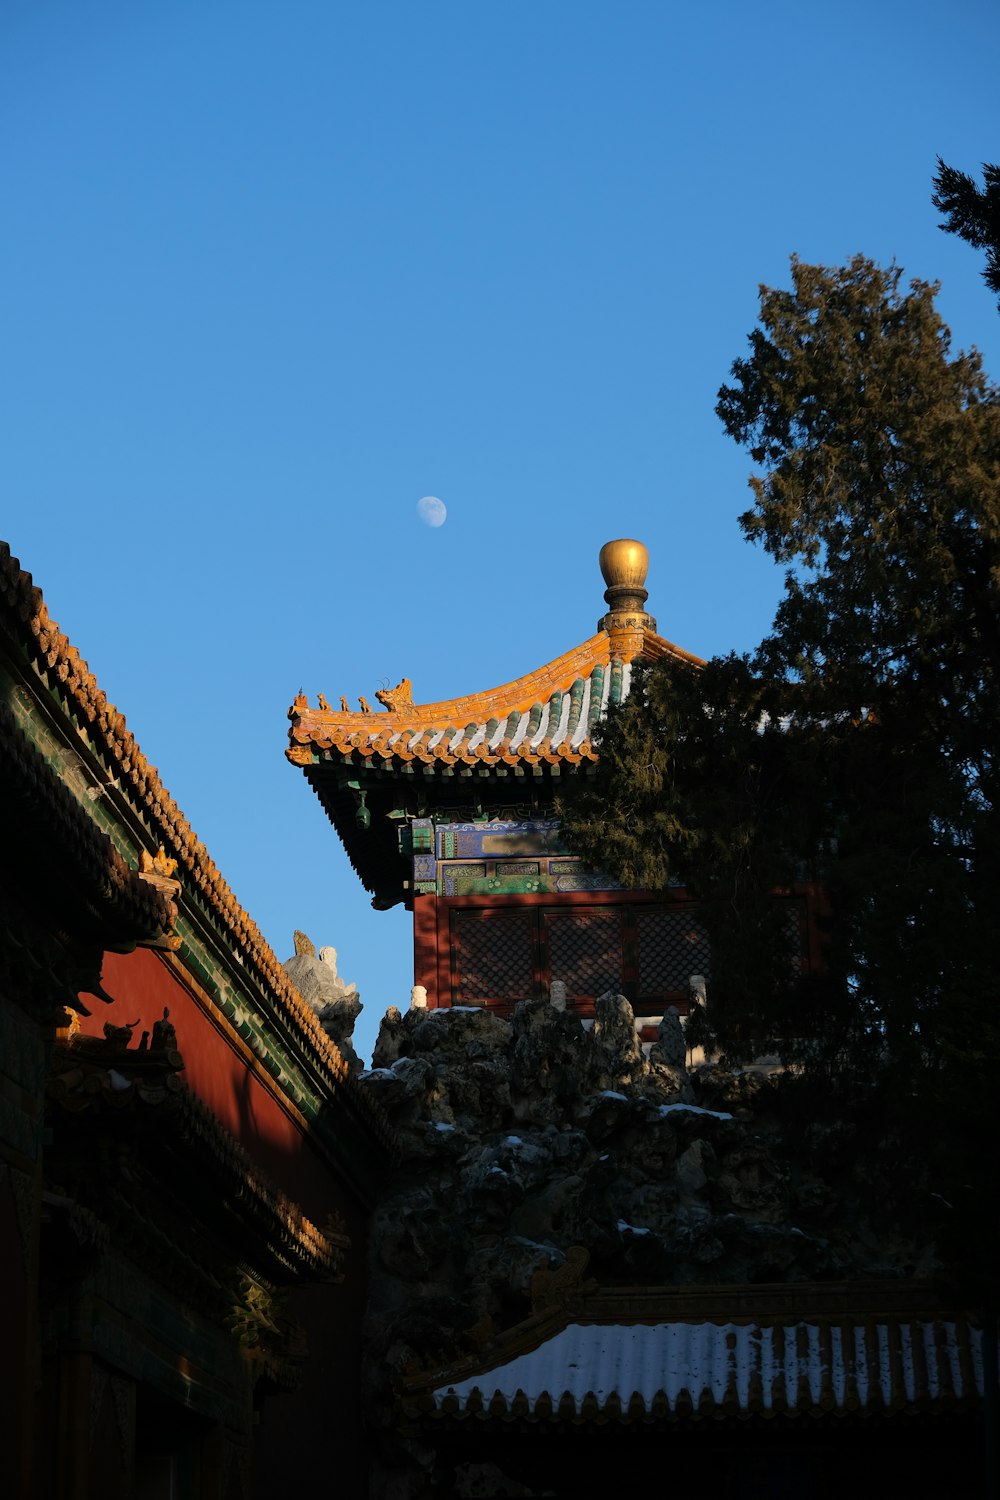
(158, 870)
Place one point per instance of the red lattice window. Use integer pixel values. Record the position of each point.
(585, 952)
(796, 935)
(492, 956)
(500, 955)
(672, 946)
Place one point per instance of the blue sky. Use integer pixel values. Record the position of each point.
(271, 272)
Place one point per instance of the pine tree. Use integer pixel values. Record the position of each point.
(859, 744)
(972, 213)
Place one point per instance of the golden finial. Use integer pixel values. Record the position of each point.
(624, 564)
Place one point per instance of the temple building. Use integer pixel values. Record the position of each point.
(449, 807)
(599, 1264)
(187, 1162)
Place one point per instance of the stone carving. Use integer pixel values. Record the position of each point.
(337, 1005)
(397, 698)
(156, 864)
(670, 1046)
(557, 995)
(480, 1335)
(164, 1033)
(615, 1041)
(121, 1036)
(418, 997)
(274, 1344)
(558, 1286)
(698, 1035)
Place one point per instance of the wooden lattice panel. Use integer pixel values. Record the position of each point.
(585, 952)
(492, 956)
(795, 932)
(672, 945)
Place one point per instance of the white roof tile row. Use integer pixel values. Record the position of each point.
(867, 1365)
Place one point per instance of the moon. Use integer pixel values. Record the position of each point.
(432, 511)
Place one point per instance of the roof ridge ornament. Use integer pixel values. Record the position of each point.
(396, 699)
(624, 564)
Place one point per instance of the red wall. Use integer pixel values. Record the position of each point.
(425, 947)
(217, 1070)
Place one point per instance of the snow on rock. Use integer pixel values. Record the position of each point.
(693, 1109)
(522, 1140)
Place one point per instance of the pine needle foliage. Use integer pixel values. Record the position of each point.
(858, 745)
(973, 213)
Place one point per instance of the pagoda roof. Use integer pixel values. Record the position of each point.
(684, 1369)
(372, 768)
(633, 1354)
(547, 716)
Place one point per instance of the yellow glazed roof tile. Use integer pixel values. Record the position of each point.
(25, 616)
(545, 716)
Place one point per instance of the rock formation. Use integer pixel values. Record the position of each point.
(337, 1004)
(521, 1141)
